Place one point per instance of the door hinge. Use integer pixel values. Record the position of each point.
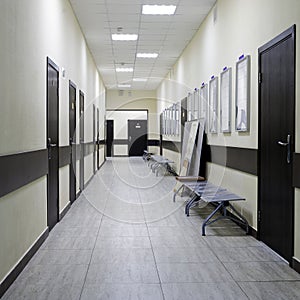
(259, 216)
(259, 77)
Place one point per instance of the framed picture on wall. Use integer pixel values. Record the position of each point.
(213, 105)
(242, 97)
(203, 99)
(225, 99)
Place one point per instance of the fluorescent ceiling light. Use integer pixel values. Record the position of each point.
(158, 9)
(147, 55)
(124, 85)
(124, 69)
(139, 79)
(124, 37)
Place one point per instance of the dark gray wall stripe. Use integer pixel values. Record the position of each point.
(296, 170)
(173, 146)
(155, 143)
(242, 159)
(64, 156)
(17, 170)
(21, 265)
(88, 148)
(296, 265)
(120, 142)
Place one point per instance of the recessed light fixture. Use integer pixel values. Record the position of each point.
(147, 55)
(158, 9)
(124, 85)
(124, 69)
(139, 79)
(124, 37)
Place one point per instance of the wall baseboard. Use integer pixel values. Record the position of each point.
(64, 211)
(296, 264)
(15, 272)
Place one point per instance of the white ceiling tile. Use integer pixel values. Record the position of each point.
(166, 35)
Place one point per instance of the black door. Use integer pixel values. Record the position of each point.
(109, 137)
(137, 137)
(94, 139)
(81, 140)
(72, 137)
(52, 143)
(98, 141)
(276, 143)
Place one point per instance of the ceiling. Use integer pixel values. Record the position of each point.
(165, 35)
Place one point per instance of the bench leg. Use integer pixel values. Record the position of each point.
(190, 204)
(176, 193)
(206, 221)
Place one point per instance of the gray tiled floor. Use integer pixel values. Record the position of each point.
(124, 238)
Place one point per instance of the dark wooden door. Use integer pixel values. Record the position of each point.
(72, 138)
(98, 140)
(94, 139)
(137, 137)
(109, 137)
(276, 143)
(81, 140)
(52, 143)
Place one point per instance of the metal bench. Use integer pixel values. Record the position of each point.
(210, 193)
(157, 162)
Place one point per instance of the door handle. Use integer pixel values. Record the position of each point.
(130, 138)
(51, 144)
(288, 145)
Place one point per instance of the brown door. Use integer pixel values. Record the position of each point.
(72, 137)
(81, 140)
(276, 143)
(52, 143)
(109, 137)
(137, 137)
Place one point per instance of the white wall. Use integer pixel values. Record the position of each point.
(29, 32)
(136, 100)
(241, 27)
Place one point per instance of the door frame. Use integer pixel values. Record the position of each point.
(272, 43)
(56, 68)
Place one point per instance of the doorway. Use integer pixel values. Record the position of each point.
(98, 140)
(52, 143)
(137, 137)
(109, 137)
(72, 139)
(276, 143)
(81, 140)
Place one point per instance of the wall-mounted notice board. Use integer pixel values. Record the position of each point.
(213, 105)
(242, 98)
(225, 99)
(203, 95)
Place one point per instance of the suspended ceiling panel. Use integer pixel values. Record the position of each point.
(165, 35)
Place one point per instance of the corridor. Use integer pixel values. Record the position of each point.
(124, 238)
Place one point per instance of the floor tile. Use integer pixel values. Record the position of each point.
(192, 272)
(123, 291)
(122, 256)
(261, 271)
(184, 255)
(203, 291)
(62, 257)
(232, 241)
(280, 290)
(123, 242)
(121, 273)
(246, 254)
